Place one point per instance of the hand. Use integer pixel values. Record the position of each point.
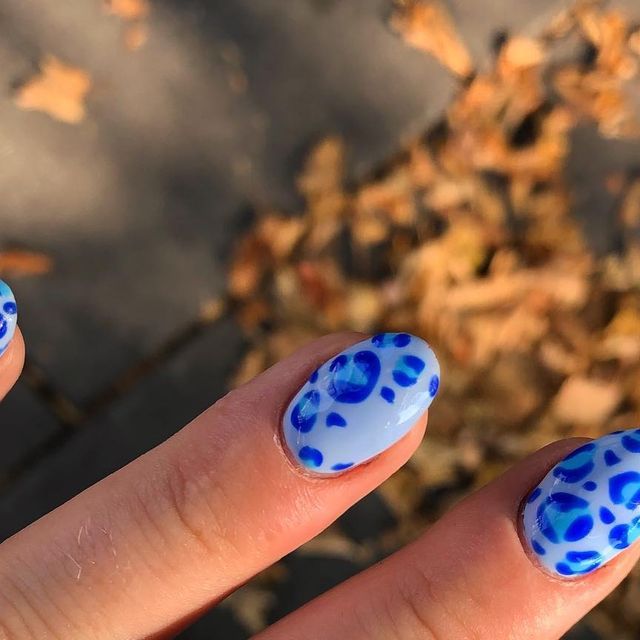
(143, 552)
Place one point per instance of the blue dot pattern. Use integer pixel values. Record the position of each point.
(8, 316)
(388, 394)
(335, 420)
(361, 401)
(587, 508)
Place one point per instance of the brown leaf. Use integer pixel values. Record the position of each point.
(426, 25)
(585, 401)
(520, 52)
(58, 90)
(135, 35)
(24, 263)
(128, 9)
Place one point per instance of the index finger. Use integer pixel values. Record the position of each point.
(224, 498)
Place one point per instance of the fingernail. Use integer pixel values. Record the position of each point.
(587, 508)
(8, 315)
(360, 402)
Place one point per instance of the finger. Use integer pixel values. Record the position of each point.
(221, 500)
(11, 343)
(472, 575)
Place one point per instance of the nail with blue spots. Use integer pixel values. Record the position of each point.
(8, 316)
(360, 402)
(587, 508)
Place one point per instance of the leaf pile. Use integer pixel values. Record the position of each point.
(467, 238)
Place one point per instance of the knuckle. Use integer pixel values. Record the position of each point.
(424, 607)
(185, 509)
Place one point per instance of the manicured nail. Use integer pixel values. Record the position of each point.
(8, 315)
(587, 508)
(360, 402)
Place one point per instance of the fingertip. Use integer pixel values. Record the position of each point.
(11, 362)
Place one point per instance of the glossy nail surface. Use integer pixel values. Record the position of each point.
(587, 508)
(8, 315)
(360, 402)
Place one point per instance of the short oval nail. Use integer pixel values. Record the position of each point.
(360, 402)
(587, 508)
(8, 315)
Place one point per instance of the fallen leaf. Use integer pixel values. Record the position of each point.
(585, 401)
(24, 263)
(135, 35)
(520, 52)
(58, 90)
(426, 25)
(128, 9)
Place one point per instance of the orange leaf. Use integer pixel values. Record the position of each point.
(58, 90)
(426, 25)
(24, 263)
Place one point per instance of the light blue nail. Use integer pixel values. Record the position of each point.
(8, 315)
(587, 508)
(360, 402)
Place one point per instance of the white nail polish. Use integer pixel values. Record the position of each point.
(360, 402)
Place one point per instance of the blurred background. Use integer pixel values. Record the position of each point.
(193, 189)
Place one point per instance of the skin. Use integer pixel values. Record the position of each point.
(146, 550)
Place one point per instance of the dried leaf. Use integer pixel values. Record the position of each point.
(426, 25)
(58, 90)
(129, 10)
(136, 35)
(585, 401)
(24, 263)
(521, 53)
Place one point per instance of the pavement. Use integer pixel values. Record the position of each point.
(139, 205)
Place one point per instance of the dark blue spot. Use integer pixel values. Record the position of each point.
(534, 495)
(338, 362)
(613, 433)
(563, 514)
(623, 535)
(310, 456)
(336, 420)
(407, 370)
(580, 450)
(579, 528)
(577, 465)
(630, 443)
(434, 383)
(388, 394)
(401, 339)
(342, 465)
(618, 536)
(582, 562)
(581, 556)
(313, 377)
(3, 326)
(10, 308)
(538, 548)
(564, 569)
(354, 377)
(625, 489)
(611, 458)
(606, 516)
(383, 340)
(378, 339)
(590, 486)
(305, 413)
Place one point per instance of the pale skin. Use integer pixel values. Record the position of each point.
(145, 551)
